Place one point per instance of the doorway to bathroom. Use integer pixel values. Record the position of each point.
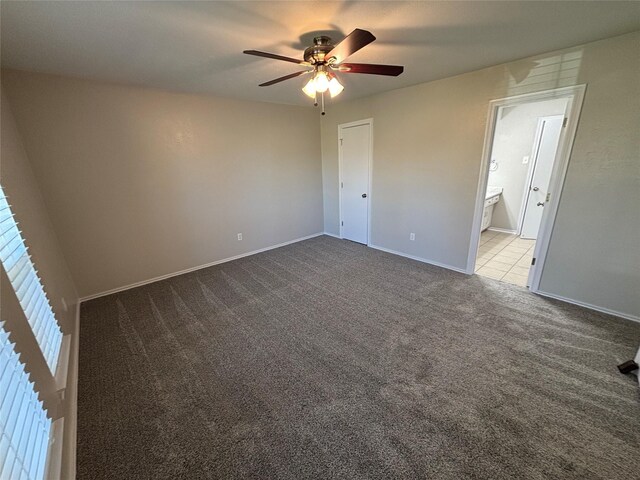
(527, 146)
(522, 158)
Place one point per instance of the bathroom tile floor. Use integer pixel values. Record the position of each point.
(505, 257)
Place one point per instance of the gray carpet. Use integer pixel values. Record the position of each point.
(326, 359)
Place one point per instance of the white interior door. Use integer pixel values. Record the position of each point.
(355, 150)
(545, 154)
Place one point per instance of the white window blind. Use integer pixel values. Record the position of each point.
(27, 285)
(24, 425)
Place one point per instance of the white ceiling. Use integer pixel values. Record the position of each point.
(197, 46)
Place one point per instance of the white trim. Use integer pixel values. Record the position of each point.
(637, 360)
(481, 192)
(71, 396)
(608, 311)
(60, 450)
(558, 175)
(332, 235)
(366, 121)
(53, 467)
(502, 230)
(575, 95)
(419, 259)
(533, 160)
(62, 369)
(193, 269)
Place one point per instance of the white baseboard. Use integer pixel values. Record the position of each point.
(193, 269)
(406, 255)
(420, 259)
(615, 313)
(503, 230)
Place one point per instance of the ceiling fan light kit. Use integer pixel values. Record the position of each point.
(323, 58)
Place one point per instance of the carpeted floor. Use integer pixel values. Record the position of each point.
(326, 359)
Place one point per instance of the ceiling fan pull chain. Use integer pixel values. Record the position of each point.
(322, 94)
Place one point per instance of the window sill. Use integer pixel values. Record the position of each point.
(62, 370)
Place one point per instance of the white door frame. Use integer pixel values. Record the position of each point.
(532, 160)
(531, 170)
(366, 121)
(575, 96)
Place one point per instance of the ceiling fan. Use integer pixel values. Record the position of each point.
(323, 60)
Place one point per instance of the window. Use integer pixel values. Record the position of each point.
(24, 426)
(27, 285)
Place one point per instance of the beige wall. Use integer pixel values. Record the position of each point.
(594, 255)
(27, 204)
(142, 183)
(428, 142)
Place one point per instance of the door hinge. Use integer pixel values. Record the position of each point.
(533, 261)
(341, 184)
(342, 224)
(340, 142)
(548, 197)
(564, 122)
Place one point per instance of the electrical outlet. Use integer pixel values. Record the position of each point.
(64, 304)
(412, 236)
(239, 236)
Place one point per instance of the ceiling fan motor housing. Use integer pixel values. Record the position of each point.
(317, 52)
(323, 58)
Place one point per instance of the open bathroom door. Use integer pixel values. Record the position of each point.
(546, 147)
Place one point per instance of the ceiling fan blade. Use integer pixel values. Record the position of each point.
(274, 56)
(351, 44)
(371, 69)
(282, 79)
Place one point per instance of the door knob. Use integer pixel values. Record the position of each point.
(364, 195)
(535, 189)
(540, 204)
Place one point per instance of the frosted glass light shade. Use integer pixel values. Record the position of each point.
(335, 87)
(321, 82)
(310, 89)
